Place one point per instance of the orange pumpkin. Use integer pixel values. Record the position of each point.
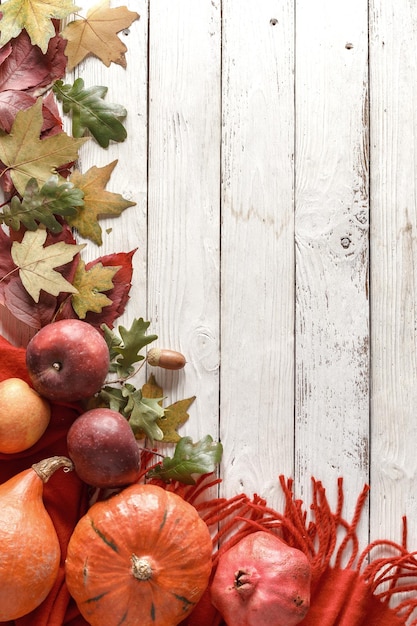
(141, 557)
(29, 548)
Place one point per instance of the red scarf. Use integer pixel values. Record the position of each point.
(353, 594)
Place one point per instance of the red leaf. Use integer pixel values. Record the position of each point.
(10, 103)
(119, 295)
(27, 69)
(22, 306)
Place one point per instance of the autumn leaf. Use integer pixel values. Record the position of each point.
(151, 389)
(39, 206)
(27, 69)
(175, 416)
(143, 413)
(189, 458)
(97, 201)
(37, 263)
(125, 349)
(91, 112)
(35, 16)
(119, 294)
(97, 35)
(90, 285)
(26, 156)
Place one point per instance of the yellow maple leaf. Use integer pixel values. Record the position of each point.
(175, 416)
(97, 201)
(97, 35)
(90, 284)
(35, 16)
(37, 263)
(27, 156)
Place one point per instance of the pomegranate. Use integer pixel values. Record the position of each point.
(261, 580)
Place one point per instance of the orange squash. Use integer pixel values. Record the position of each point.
(141, 557)
(29, 548)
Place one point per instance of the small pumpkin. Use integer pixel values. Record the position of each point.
(141, 557)
(262, 580)
(29, 548)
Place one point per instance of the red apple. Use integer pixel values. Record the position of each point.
(103, 448)
(67, 360)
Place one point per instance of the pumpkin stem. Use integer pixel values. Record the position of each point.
(47, 467)
(141, 568)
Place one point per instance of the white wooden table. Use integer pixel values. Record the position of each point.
(272, 155)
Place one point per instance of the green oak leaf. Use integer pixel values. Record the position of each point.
(90, 112)
(143, 413)
(124, 350)
(39, 206)
(189, 458)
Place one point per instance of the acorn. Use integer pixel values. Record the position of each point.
(167, 359)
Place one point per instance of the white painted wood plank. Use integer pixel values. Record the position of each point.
(257, 365)
(393, 45)
(332, 393)
(183, 215)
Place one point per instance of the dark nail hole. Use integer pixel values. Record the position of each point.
(273, 21)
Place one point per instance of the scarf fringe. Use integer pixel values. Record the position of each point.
(327, 539)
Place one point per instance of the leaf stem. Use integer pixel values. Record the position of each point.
(121, 381)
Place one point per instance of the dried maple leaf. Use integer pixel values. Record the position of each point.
(151, 389)
(35, 16)
(175, 416)
(119, 294)
(90, 285)
(37, 263)
(26, 156)
(97, 201)
(97, 35)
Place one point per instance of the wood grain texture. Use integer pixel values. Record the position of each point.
(393, 44)
(184, 201)
(332, 330)
(257, 270)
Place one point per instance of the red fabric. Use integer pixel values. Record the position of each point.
(354, 594)
(65, 496)
(357, 594)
